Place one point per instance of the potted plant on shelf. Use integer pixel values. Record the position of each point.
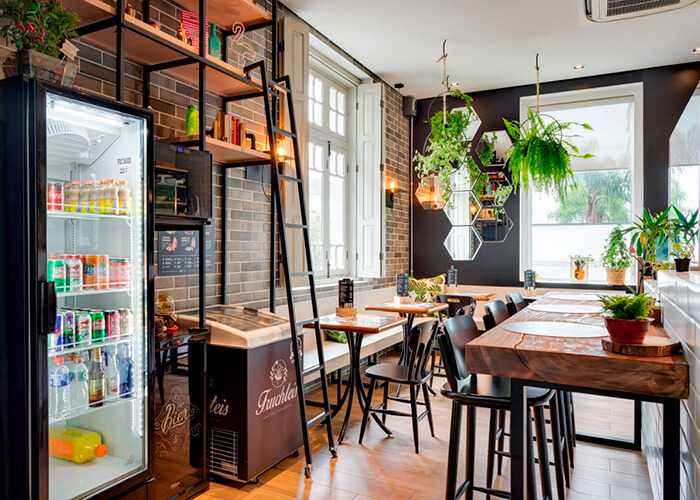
(627, 316)
(648, 232)
(616, 257)
(683, 233)
(447, 147)
(38, 29)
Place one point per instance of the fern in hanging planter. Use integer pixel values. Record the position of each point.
(541, 153)
(447, 146)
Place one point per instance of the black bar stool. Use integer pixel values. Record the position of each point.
(484, 391)
(458, 305)
(515, 302)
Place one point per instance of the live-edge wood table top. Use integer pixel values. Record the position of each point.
(362, 323)
(410, 308)
(574, 361)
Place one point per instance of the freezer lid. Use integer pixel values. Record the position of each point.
(241, 327)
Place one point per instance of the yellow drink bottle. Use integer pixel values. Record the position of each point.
(77, 445)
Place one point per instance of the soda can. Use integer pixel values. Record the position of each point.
(127, 321)
(90, 264)
(55, 339)
(113, 323)
(125, 273)
(102, 271)
(54, 196)
(83, 333)
(114, 271)
(57, 273)
(99, 331)
(69, 329)
(74, 270)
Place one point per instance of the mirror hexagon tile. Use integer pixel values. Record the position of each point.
(493, 224)
(463, 209)
(462, 242)
(492, 146)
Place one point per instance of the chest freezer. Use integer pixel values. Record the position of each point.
(252, 394)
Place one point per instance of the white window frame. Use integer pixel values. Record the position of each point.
(331, 73)
(633, 90)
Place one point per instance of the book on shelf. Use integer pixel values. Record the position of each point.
(229, 129)
(190, 22)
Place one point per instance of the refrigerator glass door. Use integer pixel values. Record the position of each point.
(96, 243)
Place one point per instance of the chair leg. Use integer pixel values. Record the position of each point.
(433, 358)
(501, 439)
(453, 451)
(428, 408)
(491, 454)
(531, 484)
(368, 406)
(566, 460)
(414, 415)
(385, 401)
(559, 457)
(541, 433)
(566, 426)
(572, 418)
(471, 446)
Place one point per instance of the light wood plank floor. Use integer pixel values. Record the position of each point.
(388, 468)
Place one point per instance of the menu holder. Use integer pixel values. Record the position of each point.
(402, 296)
(346, 299)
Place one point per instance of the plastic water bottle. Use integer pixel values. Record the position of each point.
(126, 371)
(79, 388)
(58, 387)
(111, 376)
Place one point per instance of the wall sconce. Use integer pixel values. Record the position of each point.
(389, 191)
(430, 194)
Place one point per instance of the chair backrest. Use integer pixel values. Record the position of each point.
(420, 346)
(515, 302)
(459, 331)
(456, 303)
(496, 313)
(466, 310)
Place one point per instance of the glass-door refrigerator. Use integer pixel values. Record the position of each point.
(76, 277)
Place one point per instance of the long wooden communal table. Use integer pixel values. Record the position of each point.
(580, 365)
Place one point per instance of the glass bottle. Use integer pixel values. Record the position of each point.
(96, 378)
(192, 120)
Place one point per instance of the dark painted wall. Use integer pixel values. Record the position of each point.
(666, 92)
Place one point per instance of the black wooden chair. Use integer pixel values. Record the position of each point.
(485, 391)
(496, 312)
(456, 303)
(515, 303)
(413, 374)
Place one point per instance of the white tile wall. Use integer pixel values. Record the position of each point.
(680, 300)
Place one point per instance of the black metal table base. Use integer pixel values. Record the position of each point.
(671, 434)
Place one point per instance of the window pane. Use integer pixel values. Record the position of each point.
(341, 102)
(332, 98)
(340, 164)
(318, 90)
(337, 217)
(316, 207)
(341, 125)
(318, 261)
(311, 86)
(332, 121)
(318, 114)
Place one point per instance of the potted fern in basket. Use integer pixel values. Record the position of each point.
(616, 257)
(627, 316)
(683, 233)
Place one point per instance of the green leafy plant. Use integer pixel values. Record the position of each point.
(41, 25)
(502, 193)
(541, 153)
(648, 232)
(616, 253)
(637, 306)
(447, 145)
(683, 233)
(487, 148)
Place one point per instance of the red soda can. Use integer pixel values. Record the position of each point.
(125, 273)
(113, 324)
(54, 196)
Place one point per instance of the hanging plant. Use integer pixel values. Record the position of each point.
(447, 145)
(541, 151)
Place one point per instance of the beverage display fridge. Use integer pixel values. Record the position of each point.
(76, 281)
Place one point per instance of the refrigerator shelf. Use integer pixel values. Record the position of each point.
(101, 291)
(79, 412)
(81, 216)
(72, 349)
(70, 480)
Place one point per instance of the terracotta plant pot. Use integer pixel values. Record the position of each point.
(615, 276)
(627, 331)
(682, 265)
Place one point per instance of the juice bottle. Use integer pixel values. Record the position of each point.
(85, 198)
(100, 186)
(96, 378)
(72, 197)
(95, 194)
(110, 200)
(76, 445)
(124, 195)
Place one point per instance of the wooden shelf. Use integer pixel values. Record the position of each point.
(90, 11)
(224, 152)
(225, 13)
(219, 80)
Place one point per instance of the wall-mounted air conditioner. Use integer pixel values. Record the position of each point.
(602, 11)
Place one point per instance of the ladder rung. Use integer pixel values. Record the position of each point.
(307, 321)
(296, 226)
(318, 418)
(310, 371)
(301, 273)
(283, 132)
(279, 86)
(288, 178)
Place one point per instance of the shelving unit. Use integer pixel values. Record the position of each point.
(226, 152)
(85, 293)
(82, 216)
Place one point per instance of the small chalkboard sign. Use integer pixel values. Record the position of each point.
(346, 293)
(178, 252)
(529, 279)
(451, 277)
(402, 285)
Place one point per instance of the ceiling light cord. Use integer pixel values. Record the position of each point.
(444, 83)
(537, 70)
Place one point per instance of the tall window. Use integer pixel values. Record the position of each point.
(328, 174)
(607, 189)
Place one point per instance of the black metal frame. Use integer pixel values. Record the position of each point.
(671, 432)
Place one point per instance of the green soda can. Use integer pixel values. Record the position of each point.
(99, 330)
(58, 273)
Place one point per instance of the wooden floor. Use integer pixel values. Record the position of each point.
(388, 468)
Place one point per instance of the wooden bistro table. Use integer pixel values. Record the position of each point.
(355, 329)
(579, 365)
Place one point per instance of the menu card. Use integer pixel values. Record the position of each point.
(529, 279)
(346, 293)
(451, 277)
(402, 285)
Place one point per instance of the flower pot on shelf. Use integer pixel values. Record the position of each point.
(615, 276)
(41, 66)
(627, 331)
(682, 265)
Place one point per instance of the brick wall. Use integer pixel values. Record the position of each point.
(248, 214)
